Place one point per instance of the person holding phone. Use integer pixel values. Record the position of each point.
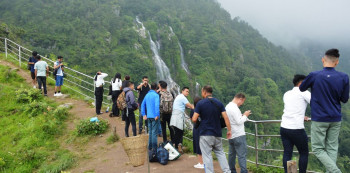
(238, 142)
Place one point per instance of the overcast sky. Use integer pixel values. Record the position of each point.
(287, 22)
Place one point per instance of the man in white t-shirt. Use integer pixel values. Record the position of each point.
(238, 142)
(41, 73)
(178, 116)
(58, 66)
(292, 125)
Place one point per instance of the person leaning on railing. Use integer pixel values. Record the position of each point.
(328, 88)
(292, 126)
(99, 82)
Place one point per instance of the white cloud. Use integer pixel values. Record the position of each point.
(287, 22)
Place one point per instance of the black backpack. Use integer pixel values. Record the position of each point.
(152, 155)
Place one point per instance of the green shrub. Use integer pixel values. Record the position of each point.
(60, 113)
(28, 95)
(113, 138)
(36, 108)
(2, 163)
(85, 127)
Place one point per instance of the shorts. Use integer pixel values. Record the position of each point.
(59, 80)
(33, 75)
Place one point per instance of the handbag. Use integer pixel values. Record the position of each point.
(222, 120)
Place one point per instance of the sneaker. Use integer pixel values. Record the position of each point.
(55, 95)
(59, 94)
(199, 166)
(34, 86)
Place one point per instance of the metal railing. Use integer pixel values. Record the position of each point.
(80, 83)
(256, 147)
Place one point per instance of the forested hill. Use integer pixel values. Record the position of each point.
(104, 35)
(197, 39)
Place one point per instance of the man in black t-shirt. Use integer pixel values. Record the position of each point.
(143, 89)
(210, 109)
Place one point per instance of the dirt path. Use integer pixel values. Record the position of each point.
(94, 154)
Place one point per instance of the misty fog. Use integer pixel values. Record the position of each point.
(290, 22)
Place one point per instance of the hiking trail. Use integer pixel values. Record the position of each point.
(93, 154)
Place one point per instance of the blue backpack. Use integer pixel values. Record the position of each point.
(162, 154)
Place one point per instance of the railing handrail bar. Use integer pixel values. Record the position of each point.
(51, 60)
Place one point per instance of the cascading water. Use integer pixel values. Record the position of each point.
(182, 55)
(198, 87)
(163, 72)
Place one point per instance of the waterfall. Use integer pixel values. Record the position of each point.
(182, 55)
(198, 87)
(162, 69)
(163, 72)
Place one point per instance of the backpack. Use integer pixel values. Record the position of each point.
(166, 102)
(121, 101)
(162, 154)
(55, 71)
(152, 155)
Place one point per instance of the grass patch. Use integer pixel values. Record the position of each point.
(30, 125)
(113, 138)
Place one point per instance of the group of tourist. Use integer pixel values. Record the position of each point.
(158, 107)
(39, 70)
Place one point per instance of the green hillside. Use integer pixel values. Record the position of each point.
(104, 35)
(30, 125)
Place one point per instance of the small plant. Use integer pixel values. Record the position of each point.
(85, 127)
(28, 95)
(36, 108)
(2, 163)
(60, 113)
(113, 138)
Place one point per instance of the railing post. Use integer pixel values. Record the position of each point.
(19, 56)
(6, 47)
(256, 145)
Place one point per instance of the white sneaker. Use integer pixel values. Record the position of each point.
(34, 86)
(55, 95)
(199, 166)
(59, 94)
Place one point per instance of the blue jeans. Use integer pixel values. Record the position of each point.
(153, 126)
(238, 146)
(297, 137)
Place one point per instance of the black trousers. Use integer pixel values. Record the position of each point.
(42, 82)
(130, 119)
(178, 136)
(99, 99)
(297, 137)
(115, 109)
(165, 118)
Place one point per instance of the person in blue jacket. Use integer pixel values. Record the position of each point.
(328, 88)
(150, 112)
